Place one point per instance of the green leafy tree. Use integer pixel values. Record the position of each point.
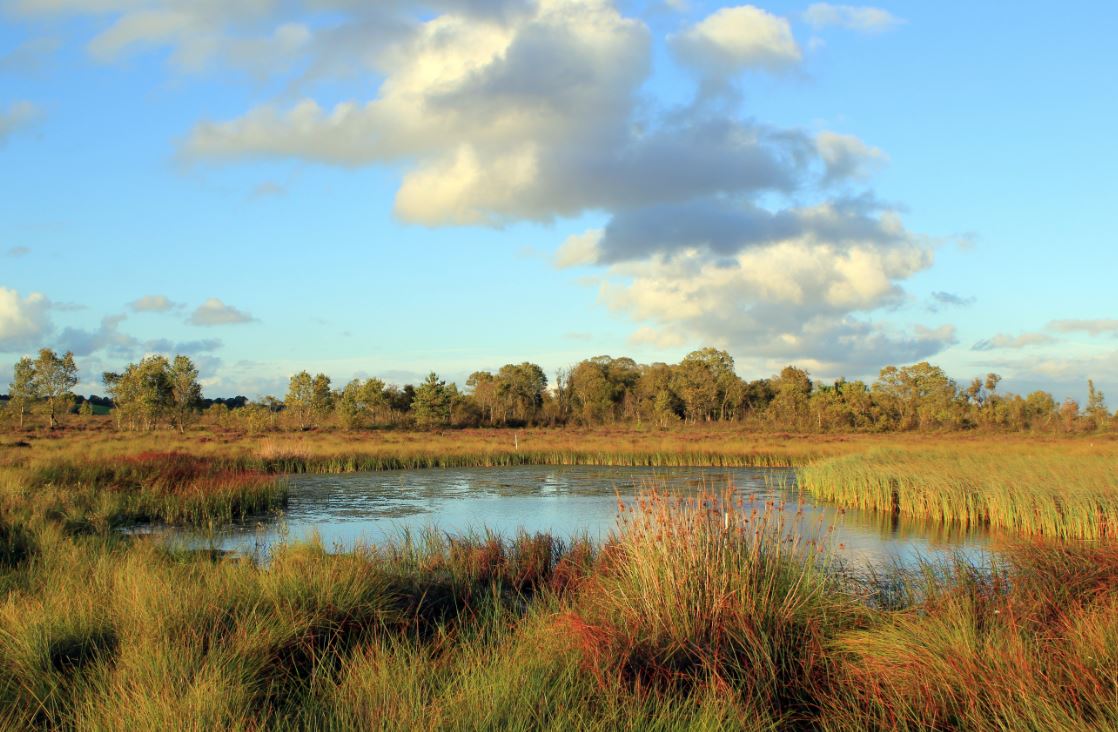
(520, 389)
(299, 402)
(483, 388)
(21, 391)
(361, 403)
(591, 391)
(916, 396)
(702, 380)
(142, 394)
(54, 380)
(185, 391)
(432, 402)
(790, 407)
(657, 399)
(322, 398)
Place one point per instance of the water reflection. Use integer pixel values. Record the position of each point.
(371, 508)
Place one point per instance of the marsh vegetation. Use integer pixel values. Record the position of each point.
(701, 611)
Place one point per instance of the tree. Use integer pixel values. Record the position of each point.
(360, 403)
(1069, 413)
(21, 392)
(702, 381)
(432, 402)
(54, 380)
(299, 402)
(483, 388)
(322, 399)
(142, 393)
(1096, 406)
(657, 401)
(591, 392)
(520, 390)
(185, 391)
(1040, 408)
(914, 396)
(790, 405)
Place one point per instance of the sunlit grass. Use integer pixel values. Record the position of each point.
(1067, 491)
(701, 613)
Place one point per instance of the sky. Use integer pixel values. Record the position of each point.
(385, 187)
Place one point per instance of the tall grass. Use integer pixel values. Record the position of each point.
(175, 488)
(698, 615)
(698, 595)
(1039, 492)
(1031, 644)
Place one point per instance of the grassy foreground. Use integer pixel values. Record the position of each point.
(699, 615)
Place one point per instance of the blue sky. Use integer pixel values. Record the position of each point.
(393, 187)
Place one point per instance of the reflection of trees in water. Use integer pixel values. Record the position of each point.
(938, 534)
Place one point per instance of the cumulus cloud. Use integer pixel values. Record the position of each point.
(153, 304)
(580, 249)
(1096, 327)
(801, 296)
(1025, 340)
(108, 337)
(845, 156)
(214, 312)
(861, 18)
(715, 227)
(734, 39)
(23, 320)
(17, 117)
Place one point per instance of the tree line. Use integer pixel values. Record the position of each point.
(702, 388)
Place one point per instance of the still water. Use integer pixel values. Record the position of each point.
(566, 501)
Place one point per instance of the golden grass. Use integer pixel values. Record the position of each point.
(1066, 490)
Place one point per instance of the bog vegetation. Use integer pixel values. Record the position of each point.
(703, 388)
(700, 613)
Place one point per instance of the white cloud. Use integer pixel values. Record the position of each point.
(108, 337)
(1001, 340)
(845, 156)
(861, 18)
(24, 321)
(153, 304)
(580, 249)
(18, 117)
(716, 227)
(803, 298)
(1096, 327)
(214, 312)
(734, 39)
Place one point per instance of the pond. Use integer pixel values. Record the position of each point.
(566, 501)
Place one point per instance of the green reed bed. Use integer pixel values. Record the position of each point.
(1040, 492)
(355, 462)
